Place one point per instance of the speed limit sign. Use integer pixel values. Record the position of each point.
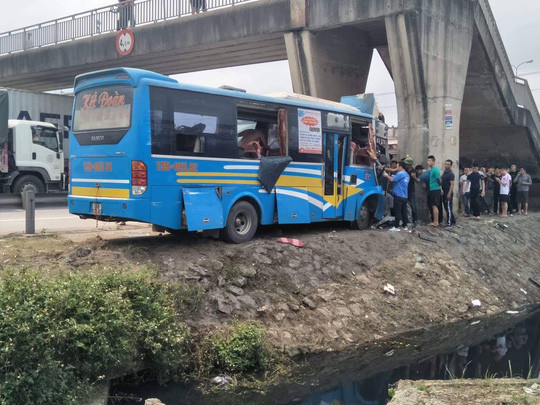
(125, 41)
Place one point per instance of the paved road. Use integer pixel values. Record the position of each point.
(54, 219)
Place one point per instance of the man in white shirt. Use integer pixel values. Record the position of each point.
(506, 182)
(465, 187)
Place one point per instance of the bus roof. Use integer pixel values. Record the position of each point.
(134, 76)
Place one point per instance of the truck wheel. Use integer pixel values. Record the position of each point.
(30, 183)
(242, 223)
(364, 218)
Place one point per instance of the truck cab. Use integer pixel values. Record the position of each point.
(35, 158)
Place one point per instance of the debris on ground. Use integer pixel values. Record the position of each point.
(289, 241)
(476, 303)
(389, 288)
(222, 380)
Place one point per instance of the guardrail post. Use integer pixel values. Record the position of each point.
(29, 205)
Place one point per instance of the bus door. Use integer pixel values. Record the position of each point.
(334, 161)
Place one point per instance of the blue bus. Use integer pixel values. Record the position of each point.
(145, 148)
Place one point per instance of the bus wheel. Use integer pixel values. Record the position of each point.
(241, 224)
(364, 218)
(28, 183)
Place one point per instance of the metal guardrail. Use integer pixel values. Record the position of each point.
(103, 20)
(16, 200)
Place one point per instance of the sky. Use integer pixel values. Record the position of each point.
(518, 21)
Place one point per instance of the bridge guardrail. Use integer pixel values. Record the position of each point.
(104, 20)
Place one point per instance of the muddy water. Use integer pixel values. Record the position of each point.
(507, 344)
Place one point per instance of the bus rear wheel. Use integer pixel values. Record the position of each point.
(242, 223)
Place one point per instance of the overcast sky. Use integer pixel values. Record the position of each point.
(518, 20)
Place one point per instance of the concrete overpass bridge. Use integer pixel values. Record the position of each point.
(456, 92)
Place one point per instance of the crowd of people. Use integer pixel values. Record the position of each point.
(492, 191)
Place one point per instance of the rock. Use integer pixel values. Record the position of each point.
(153, 401)
(240, 282)
(215, 265)
(248, 301)
(82, 252)
(201, 271)
(463, 240)
(247, 271)
(262, 259)
(427, 237)
(445, 283)
(224, 306)
(279, 316)
(294, 263)
(309, 303)
(236, 290)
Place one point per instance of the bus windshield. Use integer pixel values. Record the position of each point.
(103, 108)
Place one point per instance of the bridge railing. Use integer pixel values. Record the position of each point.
(521, 89)
(103, 20)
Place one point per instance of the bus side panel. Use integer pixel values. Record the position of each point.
(353, 190)
(265, 201)
(166, 206)
(293, 205)
(316, 203)
(204, 209)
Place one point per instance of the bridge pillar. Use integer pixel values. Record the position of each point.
(429, 56)
(329, 64)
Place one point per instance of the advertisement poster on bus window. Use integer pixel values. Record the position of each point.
(309, 131)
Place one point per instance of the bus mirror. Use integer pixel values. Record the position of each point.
(383, 159)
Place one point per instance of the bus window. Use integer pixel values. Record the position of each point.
(186, 123)
(360, 140)
(258, 133)
(106, 110)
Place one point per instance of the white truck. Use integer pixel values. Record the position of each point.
(33, 154)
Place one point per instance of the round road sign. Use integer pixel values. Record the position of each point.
(125, 41)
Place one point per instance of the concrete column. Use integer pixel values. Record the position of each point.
(429, 54)
(329, 64)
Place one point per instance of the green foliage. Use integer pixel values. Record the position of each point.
(61, 334)
(240, 349)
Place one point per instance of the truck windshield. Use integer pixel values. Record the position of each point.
(103, 108)
(45, 137)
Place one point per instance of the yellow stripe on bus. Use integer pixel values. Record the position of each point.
(298, 181)
(100, 192)
(217, 181)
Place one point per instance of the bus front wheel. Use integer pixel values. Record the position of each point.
(241, 224)
(364, 218)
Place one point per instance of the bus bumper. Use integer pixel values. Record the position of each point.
(110, 209)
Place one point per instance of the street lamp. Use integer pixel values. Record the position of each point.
(523, 63)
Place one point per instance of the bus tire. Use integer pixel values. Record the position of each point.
(242, 223)
(28, 182)
(364, 218)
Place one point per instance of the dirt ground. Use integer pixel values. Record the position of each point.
(469, 392)
(328, 295)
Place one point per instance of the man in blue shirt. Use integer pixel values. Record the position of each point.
(401, 184)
